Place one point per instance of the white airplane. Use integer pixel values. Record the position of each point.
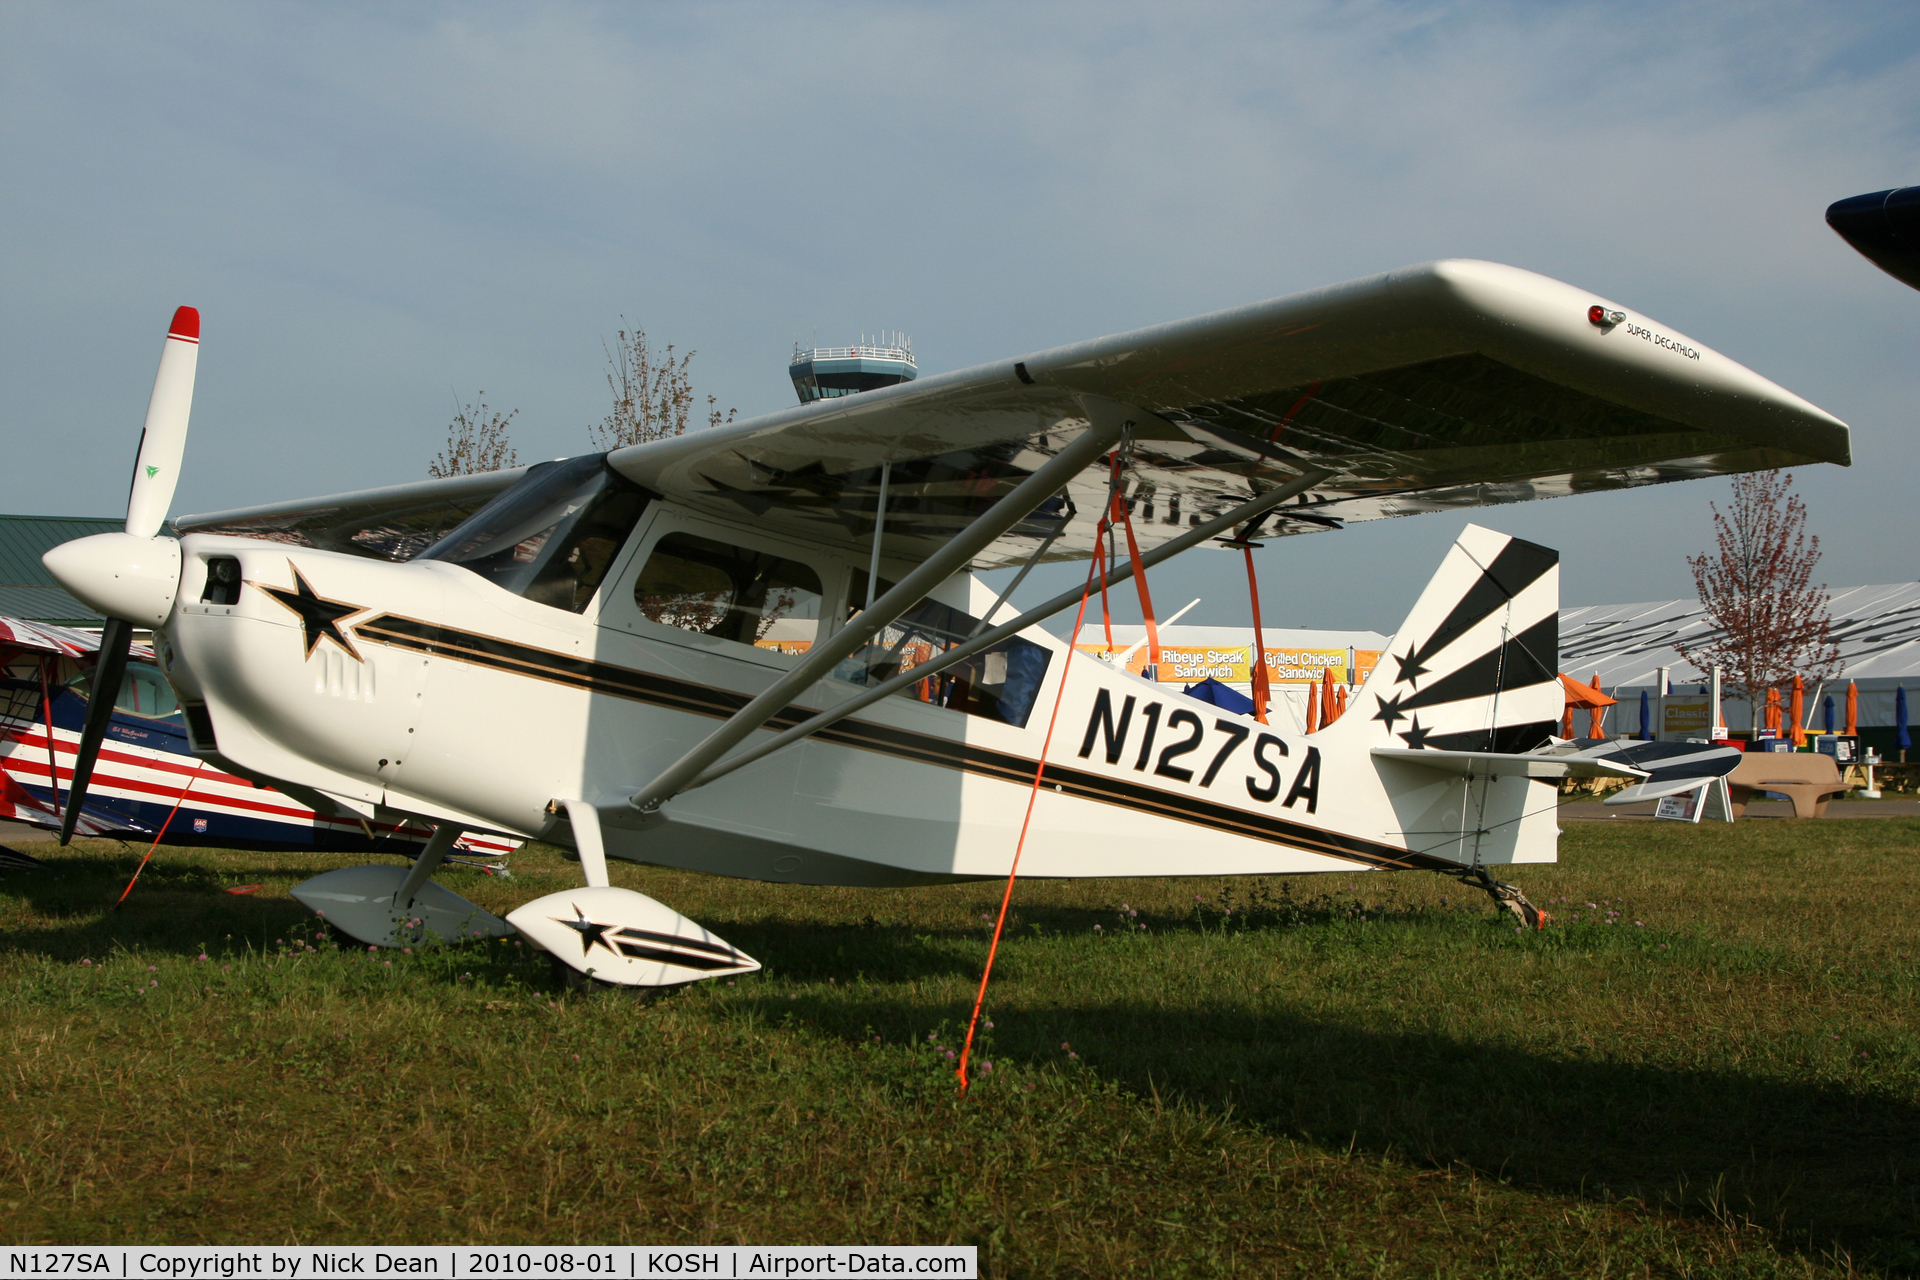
(700, 641)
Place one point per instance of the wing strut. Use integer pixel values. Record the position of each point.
(986, 640)
(822, 658)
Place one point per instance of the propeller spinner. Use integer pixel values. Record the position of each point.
(132, 577)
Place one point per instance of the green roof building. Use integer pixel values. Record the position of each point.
(27, 590)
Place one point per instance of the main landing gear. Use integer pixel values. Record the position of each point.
(598, 934)
(386, 906)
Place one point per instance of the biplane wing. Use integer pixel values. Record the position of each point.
(1446, 385)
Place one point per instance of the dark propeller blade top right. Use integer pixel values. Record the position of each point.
(1885, 227)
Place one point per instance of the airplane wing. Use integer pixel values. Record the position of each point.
(1442, 386)
(396, 522)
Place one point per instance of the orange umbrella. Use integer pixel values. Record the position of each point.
(1773, 710)
(1326, 696)
(1597, 714)
(1582, 695)
(1853, 709)
(1339, 701)
(1797, 710)
(1313, 712)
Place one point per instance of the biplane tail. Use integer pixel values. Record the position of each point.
(1474, 666)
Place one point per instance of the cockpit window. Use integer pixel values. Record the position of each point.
(697, 584)
(1000, 683)
(552, 537)
(144, 692)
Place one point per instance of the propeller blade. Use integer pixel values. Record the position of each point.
(116, 643)
(163, 441)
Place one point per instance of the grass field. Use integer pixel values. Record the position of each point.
(1708, 1066)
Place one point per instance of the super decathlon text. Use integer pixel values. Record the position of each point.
(1662, 340)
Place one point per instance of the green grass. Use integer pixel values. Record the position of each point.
(1346, 1075)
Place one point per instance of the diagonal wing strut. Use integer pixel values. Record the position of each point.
(1109, 421)
(986, 640)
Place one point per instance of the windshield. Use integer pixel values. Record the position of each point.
(144, 692)
(552, 537)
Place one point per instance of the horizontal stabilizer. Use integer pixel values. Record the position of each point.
(1654, 788)
(1496, 764)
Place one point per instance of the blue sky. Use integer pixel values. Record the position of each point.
(379, 209)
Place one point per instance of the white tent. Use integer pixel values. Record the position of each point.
(1877, 629)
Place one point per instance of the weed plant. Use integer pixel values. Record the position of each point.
(1708, 1065)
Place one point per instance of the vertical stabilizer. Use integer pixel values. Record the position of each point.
(1473, 666)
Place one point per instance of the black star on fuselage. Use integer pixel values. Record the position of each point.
(1389, 709)
(591, 934)
(319, 617)
(1415, 736)
(1411, 668)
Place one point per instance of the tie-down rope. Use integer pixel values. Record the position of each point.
(1117, 512)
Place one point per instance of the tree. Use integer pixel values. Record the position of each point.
(652, 394)
(1768, 619)
(476, 441)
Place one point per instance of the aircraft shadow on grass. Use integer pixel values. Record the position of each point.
(1818, 1166)
(176, 906)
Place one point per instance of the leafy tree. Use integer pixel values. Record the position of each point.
(652, 394)
(476, 441)
(1768, 618)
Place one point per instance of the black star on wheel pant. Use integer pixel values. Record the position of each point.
(591, 934)
(319, 617)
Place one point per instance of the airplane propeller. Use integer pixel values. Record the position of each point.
(132, 577)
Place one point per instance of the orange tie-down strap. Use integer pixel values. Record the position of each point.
(1033, 794)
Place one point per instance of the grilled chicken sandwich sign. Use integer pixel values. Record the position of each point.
(1185, 664)
(361, 651)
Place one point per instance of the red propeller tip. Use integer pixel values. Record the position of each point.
(186, 324)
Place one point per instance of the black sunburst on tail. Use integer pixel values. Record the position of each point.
(1476, 677)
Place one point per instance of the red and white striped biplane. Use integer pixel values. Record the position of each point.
(147, 779)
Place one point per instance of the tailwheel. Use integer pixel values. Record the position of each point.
(1506, 896)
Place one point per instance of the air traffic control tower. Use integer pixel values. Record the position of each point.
(826, 372)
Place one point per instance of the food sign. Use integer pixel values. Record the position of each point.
(1190, 664)
(1683, 717)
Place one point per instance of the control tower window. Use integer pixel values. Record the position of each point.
(826, 373)
(551, 537)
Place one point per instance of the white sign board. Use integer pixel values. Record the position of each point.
(1708, 800)
(1684, 807)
